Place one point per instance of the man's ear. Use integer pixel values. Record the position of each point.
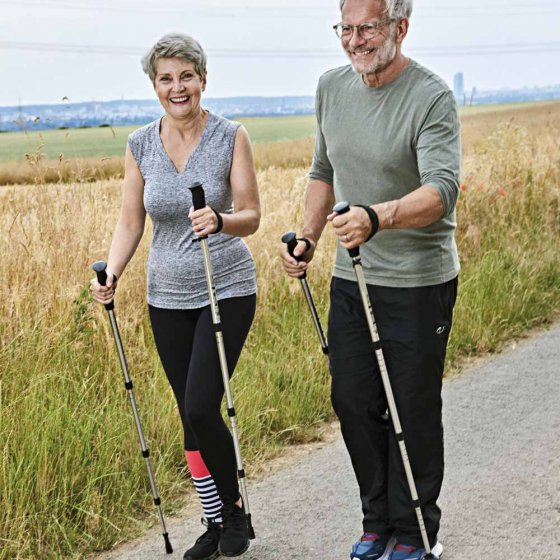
(402, 29)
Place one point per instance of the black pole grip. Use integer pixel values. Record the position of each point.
(341, 208)
(289, 238)
(198, 198)
(100, 268)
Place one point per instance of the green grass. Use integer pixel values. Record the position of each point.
(109, 141)
(72, 143)
(73, 479)
(264, 130)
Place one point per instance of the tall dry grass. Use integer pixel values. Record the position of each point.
(508, 236)
(71, 476)
(541, 119)
(38, 170)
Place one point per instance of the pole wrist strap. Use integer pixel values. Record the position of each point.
(306, 241)
(220, 223)
(373, 218)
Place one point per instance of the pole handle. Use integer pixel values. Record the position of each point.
(290, 239)
(341, 208)
(100, 269)
(198, 198)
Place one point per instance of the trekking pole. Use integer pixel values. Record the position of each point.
(100, 269)
(199, 201)
(290, 240)
(342, 208)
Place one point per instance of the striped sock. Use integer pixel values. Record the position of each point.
(205, 486)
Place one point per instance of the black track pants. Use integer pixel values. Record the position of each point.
(186, 343)
(413, 325)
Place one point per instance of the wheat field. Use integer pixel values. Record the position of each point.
(72, 480)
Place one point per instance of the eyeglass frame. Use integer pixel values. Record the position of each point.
(377, 26)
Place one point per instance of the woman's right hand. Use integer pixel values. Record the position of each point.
(104, 294)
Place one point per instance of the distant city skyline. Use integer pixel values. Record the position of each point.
(459, 86)
(90, 50)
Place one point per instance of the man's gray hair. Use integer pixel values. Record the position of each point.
(172, 45)
(394, 9)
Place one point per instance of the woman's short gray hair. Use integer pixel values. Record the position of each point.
(394, 9)
(172, 45)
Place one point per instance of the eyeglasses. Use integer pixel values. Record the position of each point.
(365, 30)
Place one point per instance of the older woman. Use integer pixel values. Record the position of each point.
(188, 144)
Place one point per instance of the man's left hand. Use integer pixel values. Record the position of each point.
(352, 227)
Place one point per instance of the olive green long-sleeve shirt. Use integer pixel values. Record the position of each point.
(376, 144)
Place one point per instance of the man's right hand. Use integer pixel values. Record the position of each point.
(292, 265)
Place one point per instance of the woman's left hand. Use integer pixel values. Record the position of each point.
(204, 221)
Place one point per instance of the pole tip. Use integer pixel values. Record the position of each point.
(168, 547)
(250, 529)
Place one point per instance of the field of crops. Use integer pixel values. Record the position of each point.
(86, 155)
(71, 478)
(107, 141)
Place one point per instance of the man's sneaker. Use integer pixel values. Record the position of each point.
(405, 552)
(206, 546)
(234, 539)
(371, 546)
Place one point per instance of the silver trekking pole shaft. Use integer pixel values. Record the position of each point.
(291, 241)
(100, 269)
(198, 203)
(341, 208)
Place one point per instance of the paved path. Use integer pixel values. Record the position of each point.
(501, 496)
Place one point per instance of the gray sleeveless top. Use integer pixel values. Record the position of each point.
(176, 278)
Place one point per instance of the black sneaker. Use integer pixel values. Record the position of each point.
(206, 546)
(234, 539)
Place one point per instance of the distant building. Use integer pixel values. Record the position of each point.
(473, 95)
(459, 87)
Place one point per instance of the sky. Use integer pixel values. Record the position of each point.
(90, 50)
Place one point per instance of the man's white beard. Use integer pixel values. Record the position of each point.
(384, 56)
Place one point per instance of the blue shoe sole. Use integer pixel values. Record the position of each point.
(388, 549)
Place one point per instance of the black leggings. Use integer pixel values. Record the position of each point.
(186, 344)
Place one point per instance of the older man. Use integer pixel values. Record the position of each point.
(387, 141)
